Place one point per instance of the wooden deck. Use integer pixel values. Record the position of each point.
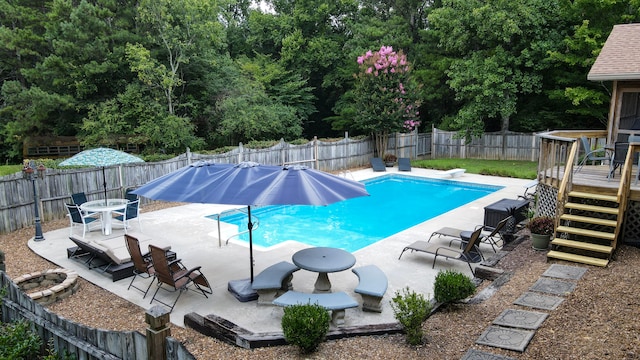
(595, 177)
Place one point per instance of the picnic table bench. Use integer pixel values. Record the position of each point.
(337, 302)
(371, 286)
(274, 281)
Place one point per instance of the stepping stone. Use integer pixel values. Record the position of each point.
(506, 338)
(552, 286)
(565, 272)
(473, 354)
(539, 301)
(530, 320)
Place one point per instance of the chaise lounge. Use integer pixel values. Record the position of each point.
(470, 254)
(463, 235)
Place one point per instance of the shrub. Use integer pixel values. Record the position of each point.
(305, 326)
(452, 286)
(17, 341)
(542, 225)
(411, 309)
(388, 157)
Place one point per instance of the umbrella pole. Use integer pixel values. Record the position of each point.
(104, 184)
(250, 227)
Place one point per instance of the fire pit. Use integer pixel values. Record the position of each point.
(46, 287)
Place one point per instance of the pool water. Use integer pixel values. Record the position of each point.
(397, 202)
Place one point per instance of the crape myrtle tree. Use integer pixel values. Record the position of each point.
(385, 96)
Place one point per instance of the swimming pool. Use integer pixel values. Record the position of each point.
(397, 202)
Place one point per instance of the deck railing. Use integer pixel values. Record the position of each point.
(559, 152)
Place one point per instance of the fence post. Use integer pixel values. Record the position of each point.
(3, 267)
(158, 319)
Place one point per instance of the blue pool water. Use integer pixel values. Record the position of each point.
(397, 202)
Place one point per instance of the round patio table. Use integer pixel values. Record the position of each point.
(323, 260)
(105, 209)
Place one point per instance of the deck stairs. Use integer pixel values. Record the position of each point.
(587, 229)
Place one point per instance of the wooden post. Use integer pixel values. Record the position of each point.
(158, 319)
(2, 265)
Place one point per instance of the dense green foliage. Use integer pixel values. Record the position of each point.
(305, 326)
(17, 341)
(206, 74)
(451, 286)
(411, 309)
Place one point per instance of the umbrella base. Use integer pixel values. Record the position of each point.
(241, 290)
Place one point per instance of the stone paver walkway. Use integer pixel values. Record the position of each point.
(513, 329)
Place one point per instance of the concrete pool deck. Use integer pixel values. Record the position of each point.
(195, 240)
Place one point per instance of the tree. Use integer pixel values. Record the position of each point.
(182, 29)
(498, 50)
(386, 97)
(248, 113)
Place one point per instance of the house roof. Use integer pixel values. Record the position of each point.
(619, 58)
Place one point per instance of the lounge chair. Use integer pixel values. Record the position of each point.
(404, 164)
(131, 211)
(88, 221)
(377, 164)
(463, 235)
(175, 276)
(142, 264)
(591, 155)
(97, 256)
(470, 254)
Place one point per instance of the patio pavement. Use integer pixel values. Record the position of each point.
(195, 240)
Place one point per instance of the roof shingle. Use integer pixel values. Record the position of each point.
(619, 58)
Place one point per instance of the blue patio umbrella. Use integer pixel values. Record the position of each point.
(101, 157)
(250, 183)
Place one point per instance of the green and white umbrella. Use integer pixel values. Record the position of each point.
(101, 157)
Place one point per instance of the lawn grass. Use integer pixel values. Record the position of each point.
(9, 169)
(503, 168)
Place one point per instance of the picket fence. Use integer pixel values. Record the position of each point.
(54, 190)
(77, 340)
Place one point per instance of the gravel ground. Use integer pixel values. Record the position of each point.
(598, 320)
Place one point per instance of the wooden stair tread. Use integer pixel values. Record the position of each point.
(582, 245)
(589, 220)
(586, 195)
(594, 208)
(586, 232)
(577, 258)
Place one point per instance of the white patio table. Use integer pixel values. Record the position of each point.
(323, 260)
(105, 209)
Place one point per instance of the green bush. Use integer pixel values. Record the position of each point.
(411, 309)
(452, 286)
(17, 341)
(305, 326)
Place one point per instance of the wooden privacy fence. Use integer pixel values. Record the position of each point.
(55, 189)
(83, 342)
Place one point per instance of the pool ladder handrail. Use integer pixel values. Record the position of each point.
(255, 221)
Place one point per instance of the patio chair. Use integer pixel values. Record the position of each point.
(591, 155)
(377, 164)
(404, 164)
(470, 254)
(88, 221)
(176, 277)
(142, 264)
(129, 196)
(463, 236)
(79, 198)
(620, 150)
(131, 211)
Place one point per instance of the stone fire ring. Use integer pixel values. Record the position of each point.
(62, 283)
